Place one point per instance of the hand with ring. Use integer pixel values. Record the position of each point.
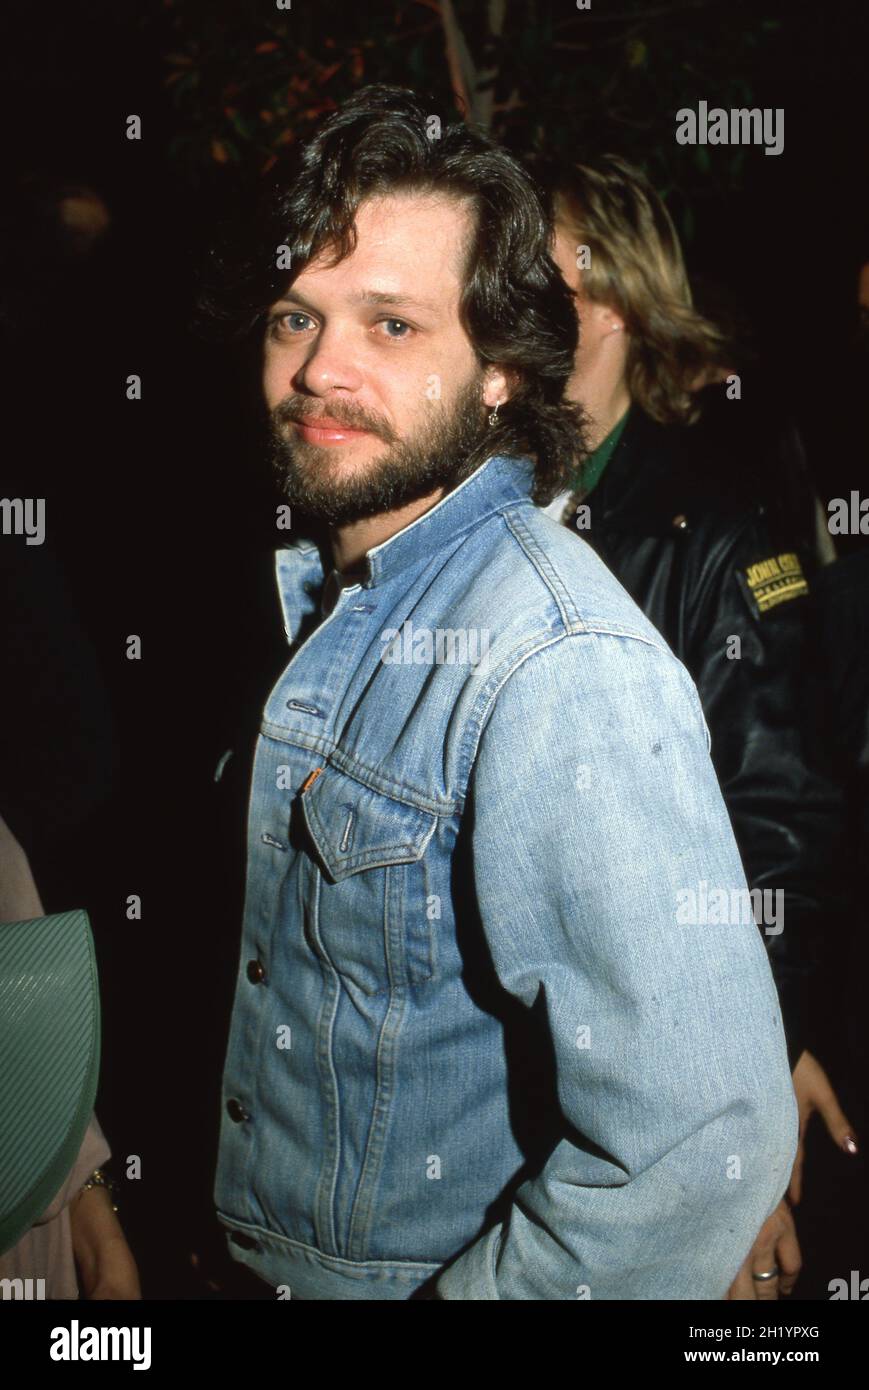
(774, 1261)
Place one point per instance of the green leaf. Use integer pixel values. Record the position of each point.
(242, 126)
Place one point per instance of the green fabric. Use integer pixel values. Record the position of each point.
(49, 1060)
(589, 474)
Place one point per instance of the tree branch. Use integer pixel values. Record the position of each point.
(463, 75)
(488, 77)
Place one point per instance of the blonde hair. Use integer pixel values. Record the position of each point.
(636, 267)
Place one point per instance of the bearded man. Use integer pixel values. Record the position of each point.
(474, 1051)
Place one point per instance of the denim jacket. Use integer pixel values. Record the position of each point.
(488, 1035)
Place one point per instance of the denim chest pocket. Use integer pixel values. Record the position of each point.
(374, 905)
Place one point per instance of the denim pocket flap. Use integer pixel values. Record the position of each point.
(355, 828)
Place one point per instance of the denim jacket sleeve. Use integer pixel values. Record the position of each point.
(599, 835)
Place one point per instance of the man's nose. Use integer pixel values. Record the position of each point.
(331, 365)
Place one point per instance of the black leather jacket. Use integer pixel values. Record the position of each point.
(842, 600)
(680, 516)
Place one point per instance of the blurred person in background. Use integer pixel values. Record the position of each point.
(697, 496)
(56, 766)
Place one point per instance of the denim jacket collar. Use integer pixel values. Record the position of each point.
(498, 481)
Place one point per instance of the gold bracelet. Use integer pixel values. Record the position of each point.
(100, 1179)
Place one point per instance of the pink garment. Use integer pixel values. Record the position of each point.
(45, 1251)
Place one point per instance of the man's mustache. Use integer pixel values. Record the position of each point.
(307, 410)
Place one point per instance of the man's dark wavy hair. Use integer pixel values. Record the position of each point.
(515, 307)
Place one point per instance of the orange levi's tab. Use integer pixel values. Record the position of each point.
(310, 780)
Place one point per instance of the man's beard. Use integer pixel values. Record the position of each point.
(441, 454)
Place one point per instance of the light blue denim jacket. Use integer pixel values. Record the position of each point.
(439, 828)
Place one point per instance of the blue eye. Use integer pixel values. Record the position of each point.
(292, 324)
(397, 323)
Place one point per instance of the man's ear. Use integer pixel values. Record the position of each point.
(499, 385)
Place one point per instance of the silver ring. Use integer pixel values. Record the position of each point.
(771, 1274)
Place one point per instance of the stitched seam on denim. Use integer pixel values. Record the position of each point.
(311, 743)
(430, 932)
(321, 1257)
(351, 766)
(375, 1148)
(369, 858)
(502, 679)
(324, 1203)
(539, 558)
(255, 1017)
(473, 728)
(497, 508)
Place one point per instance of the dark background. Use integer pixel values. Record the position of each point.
(158, 510)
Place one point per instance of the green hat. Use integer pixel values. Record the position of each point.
(49, 1060)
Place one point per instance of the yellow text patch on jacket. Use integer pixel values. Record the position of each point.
(776, 580)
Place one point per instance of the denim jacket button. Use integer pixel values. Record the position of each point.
(236, 1110)
(256, 972)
